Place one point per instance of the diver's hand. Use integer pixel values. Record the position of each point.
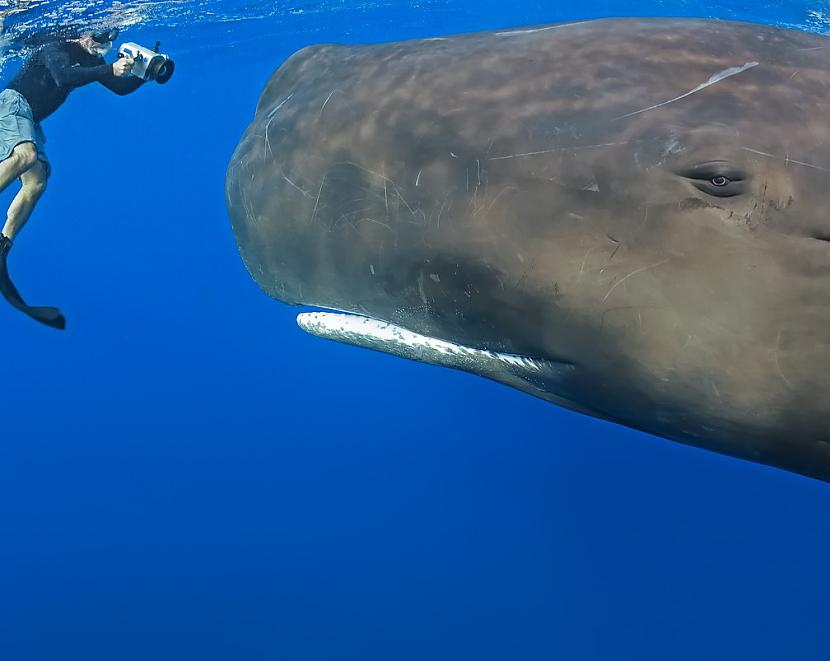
(122, 66)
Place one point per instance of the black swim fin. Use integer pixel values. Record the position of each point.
(52, 317)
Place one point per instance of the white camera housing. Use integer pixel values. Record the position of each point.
(148, 64)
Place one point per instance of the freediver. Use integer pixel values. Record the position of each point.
(36, 91)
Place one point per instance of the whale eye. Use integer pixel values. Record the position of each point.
(716, 178)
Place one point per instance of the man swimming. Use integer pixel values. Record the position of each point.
(38, 89)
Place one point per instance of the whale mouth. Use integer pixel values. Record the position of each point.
(524, 372)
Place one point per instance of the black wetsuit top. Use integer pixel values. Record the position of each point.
(51, 73)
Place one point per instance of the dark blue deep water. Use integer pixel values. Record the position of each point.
(184, 474)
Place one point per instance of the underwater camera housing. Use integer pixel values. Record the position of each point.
(148, 64)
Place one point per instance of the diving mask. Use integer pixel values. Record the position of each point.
(103, 40)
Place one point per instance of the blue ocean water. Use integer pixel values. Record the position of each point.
(185, 475)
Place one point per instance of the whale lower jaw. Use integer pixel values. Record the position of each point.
(533, 375)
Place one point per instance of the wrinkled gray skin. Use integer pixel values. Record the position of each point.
(576, 194)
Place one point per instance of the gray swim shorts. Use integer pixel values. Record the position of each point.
(18, 125)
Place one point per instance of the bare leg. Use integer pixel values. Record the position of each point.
(34, 183)
(23, 157)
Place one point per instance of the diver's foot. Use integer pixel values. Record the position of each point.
(5, 245)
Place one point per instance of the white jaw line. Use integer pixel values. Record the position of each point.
(389, 338)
